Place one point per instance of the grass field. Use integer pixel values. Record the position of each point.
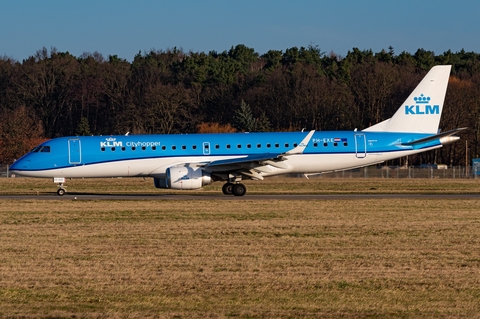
(382, 258)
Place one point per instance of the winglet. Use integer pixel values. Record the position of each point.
(300, 147)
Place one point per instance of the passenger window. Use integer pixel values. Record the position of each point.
(123, 148)
(295, 144)
(113, 149)
(345, 144)
(143, 148)
(164, 148)
(154, 148)
(133, 148)
(217, 146)
(325, 144)
(315, 144)
(287, 145)
(194, 147)
(174, 147)
(268, 145)
(259, 145)
(184, 147)
(103, 149)
(249, 146)
(335, 144)
(228, 145)
(277, 145)
(239, 146)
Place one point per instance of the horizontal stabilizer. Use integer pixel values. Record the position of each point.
(434, 137)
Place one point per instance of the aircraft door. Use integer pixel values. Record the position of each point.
(74, 151)
(206, 148)
(360, 146)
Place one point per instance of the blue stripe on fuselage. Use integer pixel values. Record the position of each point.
(104, 149)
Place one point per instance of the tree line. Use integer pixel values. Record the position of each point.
(54, 94)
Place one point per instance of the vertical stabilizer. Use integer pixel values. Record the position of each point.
(421, 111)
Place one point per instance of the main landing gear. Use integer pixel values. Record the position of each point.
(237, 189)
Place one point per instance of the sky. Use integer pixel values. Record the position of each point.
(125, 28)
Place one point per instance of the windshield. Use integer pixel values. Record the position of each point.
(41, 148)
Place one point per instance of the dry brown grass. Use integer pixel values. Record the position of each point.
(248, 259)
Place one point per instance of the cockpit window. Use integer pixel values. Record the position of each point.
(41, 149)
(36, 149)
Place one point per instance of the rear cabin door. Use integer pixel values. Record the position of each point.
(360, 146)
(74, 151)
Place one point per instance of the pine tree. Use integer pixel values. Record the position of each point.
(83, 128)
(243, 119)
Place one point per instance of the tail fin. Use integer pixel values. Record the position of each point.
(421, 111)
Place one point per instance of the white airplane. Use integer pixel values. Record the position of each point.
(190, 161)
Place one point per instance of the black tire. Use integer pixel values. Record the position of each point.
(227, 189)
(61, 192)
(239, 190)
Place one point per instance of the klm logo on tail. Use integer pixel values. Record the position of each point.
(422, 106)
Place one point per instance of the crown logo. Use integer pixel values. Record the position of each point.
(111, 139)
(422, 99)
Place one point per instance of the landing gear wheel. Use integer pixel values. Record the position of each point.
(239, 189)
(61, 192)
(227, 189)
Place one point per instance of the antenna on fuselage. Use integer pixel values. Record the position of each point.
(126, 134)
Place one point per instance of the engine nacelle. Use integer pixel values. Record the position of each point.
(183, 177)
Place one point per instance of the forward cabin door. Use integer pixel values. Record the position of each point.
(74, 151)
(360, 146)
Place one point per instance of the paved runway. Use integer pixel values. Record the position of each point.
(81, 196)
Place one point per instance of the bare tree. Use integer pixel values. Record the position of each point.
(20, 131)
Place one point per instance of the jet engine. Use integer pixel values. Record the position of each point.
(183, 177)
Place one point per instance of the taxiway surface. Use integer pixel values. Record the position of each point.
(82, 196)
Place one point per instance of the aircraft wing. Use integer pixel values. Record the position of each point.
(251, 165)
(244, 160)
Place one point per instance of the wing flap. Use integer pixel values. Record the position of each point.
(243, 160)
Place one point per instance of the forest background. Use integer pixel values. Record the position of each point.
(54, 94)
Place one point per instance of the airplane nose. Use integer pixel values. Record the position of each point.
(18, 165)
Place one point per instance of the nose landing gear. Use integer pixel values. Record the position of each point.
(61, 188)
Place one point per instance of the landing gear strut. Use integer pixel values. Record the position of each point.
(237, 189)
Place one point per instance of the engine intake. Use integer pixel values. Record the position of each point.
(183, 177)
